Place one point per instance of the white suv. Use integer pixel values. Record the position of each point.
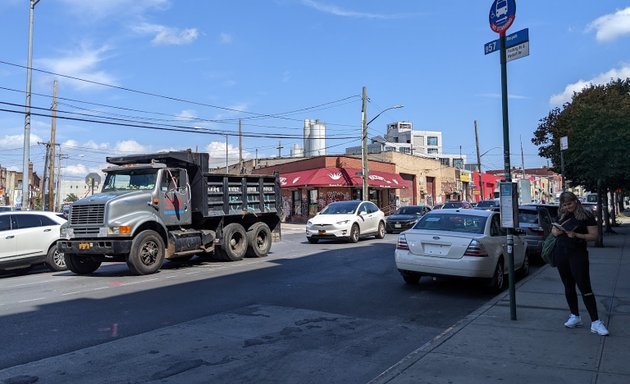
(28, 238)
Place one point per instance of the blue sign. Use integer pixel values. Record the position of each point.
(502, 14)
(511, 40)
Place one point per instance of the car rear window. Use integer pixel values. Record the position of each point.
(452, 223)
(527, 217)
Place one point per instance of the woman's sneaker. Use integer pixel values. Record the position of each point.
(574, 321)
(599, 328)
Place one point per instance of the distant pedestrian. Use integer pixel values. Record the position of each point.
(571, 258)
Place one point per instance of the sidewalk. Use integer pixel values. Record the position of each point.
(488, 347)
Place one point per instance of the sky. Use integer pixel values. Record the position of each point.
(142, 76)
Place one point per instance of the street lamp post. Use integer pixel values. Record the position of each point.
(27, 115)
(364, 148)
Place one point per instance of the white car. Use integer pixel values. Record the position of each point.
(348, 220)
(459, 242)
(28, 238)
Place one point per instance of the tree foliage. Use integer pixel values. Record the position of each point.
(71, 198)
(597, 124)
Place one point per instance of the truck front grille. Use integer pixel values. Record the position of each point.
(87, 214)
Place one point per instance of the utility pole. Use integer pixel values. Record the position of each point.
(479, 164)
(226, 154)
(364, 154)
(240, 146)
(53, 128)
(26, 179)
(42, 186)
(279, 148)
(58, 203)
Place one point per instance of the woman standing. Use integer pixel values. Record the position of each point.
(571, 258)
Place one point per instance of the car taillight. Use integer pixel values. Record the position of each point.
(402, 243)
(475, 249)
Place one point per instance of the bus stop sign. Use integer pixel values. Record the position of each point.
(502, 14)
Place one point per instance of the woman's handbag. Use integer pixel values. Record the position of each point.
(547, 249)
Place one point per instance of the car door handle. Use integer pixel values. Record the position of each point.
(47, 230)
(10, 237)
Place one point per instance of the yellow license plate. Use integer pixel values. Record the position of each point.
(85, 245)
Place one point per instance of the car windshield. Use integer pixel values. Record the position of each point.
(341, 208)
(409, 211)
(452, 205)
(452, 223)
(133, 179)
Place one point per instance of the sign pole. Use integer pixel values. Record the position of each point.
(508, 171)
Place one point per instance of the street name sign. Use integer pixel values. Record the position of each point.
(511, 40)
(517, 51)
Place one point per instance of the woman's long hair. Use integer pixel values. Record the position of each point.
(580, 213)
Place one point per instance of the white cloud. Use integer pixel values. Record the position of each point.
(603, 78)
(82, 64)
(167, 35)
(498, 95)
(75, 170)
(225, 38)
(114, 8)
(131, 147)
(611, 26)
(8, 142)
(187, 115)
(216, 150)
(338, 11)
(91, 144)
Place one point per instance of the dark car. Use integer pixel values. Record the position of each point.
(487, 204)
(457, 204)
(535, 221)
(590, 207)
(404, 218)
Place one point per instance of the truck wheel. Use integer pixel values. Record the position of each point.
(233, 243)
(81, 265)
(55, 261)
(147, 253)
(258, 240)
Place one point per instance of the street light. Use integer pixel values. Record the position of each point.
(27, 114)
(364, 151)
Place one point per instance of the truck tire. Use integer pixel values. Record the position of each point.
(233, 245)
(258, 240)
(81, 265)
(147, 253)
(55, 261)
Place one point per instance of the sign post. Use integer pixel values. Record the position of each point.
(501, 17)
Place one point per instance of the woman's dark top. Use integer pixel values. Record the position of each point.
(567, 245)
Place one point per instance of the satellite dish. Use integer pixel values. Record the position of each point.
(93, 177)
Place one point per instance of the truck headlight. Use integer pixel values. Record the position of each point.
(121, 230)
(65, 232)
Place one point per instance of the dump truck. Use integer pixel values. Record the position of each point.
(168, 205)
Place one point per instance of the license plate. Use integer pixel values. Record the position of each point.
(85, 245)
(397, 225)
(322, 232)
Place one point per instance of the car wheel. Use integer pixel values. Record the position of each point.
(312, 240)
(147, 253)
(381, 230)
(354, 234)
(233, 243)
(411, 278)
(81, 265)
(497, 282)
(258, 240)
(55, 260)
(524, 270)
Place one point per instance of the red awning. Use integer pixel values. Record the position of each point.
(321, 177)
(377, 179)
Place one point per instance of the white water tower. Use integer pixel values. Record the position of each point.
(314, 138)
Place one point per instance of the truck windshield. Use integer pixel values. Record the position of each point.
(134, 179)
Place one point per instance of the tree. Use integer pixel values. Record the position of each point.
(71, 198)
(597, 124)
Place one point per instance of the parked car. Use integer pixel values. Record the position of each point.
(535, 221)
(404, 218)
(348, 220)
(28, 238)
(461, 243)
(590, 206)
(457, 204)
(487, 204)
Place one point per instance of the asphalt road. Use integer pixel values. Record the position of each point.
(332, 312)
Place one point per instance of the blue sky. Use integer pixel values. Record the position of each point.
(203, 65)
